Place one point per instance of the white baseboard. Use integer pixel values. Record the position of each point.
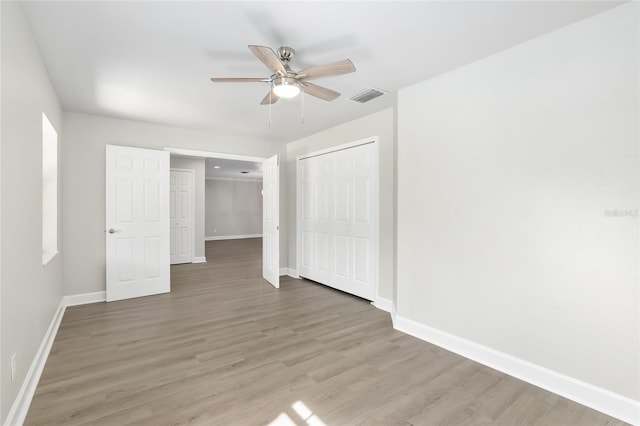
(289, 272)
(394, 314)
(383, 304)
(84, 298)
(21, 405)
(615, 405)
(232, 237)
(199, 259)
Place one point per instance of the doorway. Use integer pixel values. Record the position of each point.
(137, 180)
(226, 174)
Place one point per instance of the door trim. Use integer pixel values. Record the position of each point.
(228, 156)
(193, 210)
(211, 154)
(341, 147)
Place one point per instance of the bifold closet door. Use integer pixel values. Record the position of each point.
(339, 219)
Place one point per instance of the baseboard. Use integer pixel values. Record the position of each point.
(383, 304)
(610, 403)
(84, 298)
(394, 314)
(289, 272)
(21, 405)
(199, 259)
(232, 237)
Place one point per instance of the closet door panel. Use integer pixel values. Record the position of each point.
(342, 254)
(362, 260)
(339, 219)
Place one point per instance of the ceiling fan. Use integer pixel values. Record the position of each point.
(286, 83)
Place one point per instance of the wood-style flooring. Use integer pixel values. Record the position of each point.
(226, 348)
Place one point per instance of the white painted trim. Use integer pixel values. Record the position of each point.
(84, 298)
(48, 256)
(20, 407)
(21, 404)
(365, 141)
(610, 403)
(383, 304)
(232, 237)
(289, 272)
(234, 179)
(394, 314)
(209, 154)
(199, 259)
(298, 215)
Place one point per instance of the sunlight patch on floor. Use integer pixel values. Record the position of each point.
(303, 412)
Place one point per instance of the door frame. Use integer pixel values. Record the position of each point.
(370, 140)
(211, 154)
(193, 208)
(225, 156)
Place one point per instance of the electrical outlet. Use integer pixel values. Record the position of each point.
(13, 366)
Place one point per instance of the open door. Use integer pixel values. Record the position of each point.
(271, 222)
(137, 222)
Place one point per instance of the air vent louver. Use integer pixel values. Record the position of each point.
(367, 94)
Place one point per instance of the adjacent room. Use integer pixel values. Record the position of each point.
(233, 200)
(319, 213)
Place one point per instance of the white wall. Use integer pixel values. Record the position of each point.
(197, 165)
(233, 207)
(509, 171)
(30, 292)
(378, 124)
(83, 177)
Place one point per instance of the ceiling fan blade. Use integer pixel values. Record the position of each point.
(270, 98)
(269, 58)
(238, 80)
(319, 91)
(341, 67)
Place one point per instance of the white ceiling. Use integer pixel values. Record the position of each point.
(232, 169)
(151, 61)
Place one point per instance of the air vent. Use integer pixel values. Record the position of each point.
(367, 94)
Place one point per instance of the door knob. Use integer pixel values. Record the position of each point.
(113, 231)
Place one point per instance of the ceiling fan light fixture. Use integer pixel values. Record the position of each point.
(285, 87)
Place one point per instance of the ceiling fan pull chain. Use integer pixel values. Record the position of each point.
(270, 103)
(302, 106)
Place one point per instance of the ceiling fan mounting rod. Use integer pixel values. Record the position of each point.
(286, 54)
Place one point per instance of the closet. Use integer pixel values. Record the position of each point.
(337, 216)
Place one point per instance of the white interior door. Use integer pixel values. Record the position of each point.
(338, 220)
(137, 222)
(181, 219)
(271, 222)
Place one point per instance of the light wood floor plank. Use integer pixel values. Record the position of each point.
(226, 348)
